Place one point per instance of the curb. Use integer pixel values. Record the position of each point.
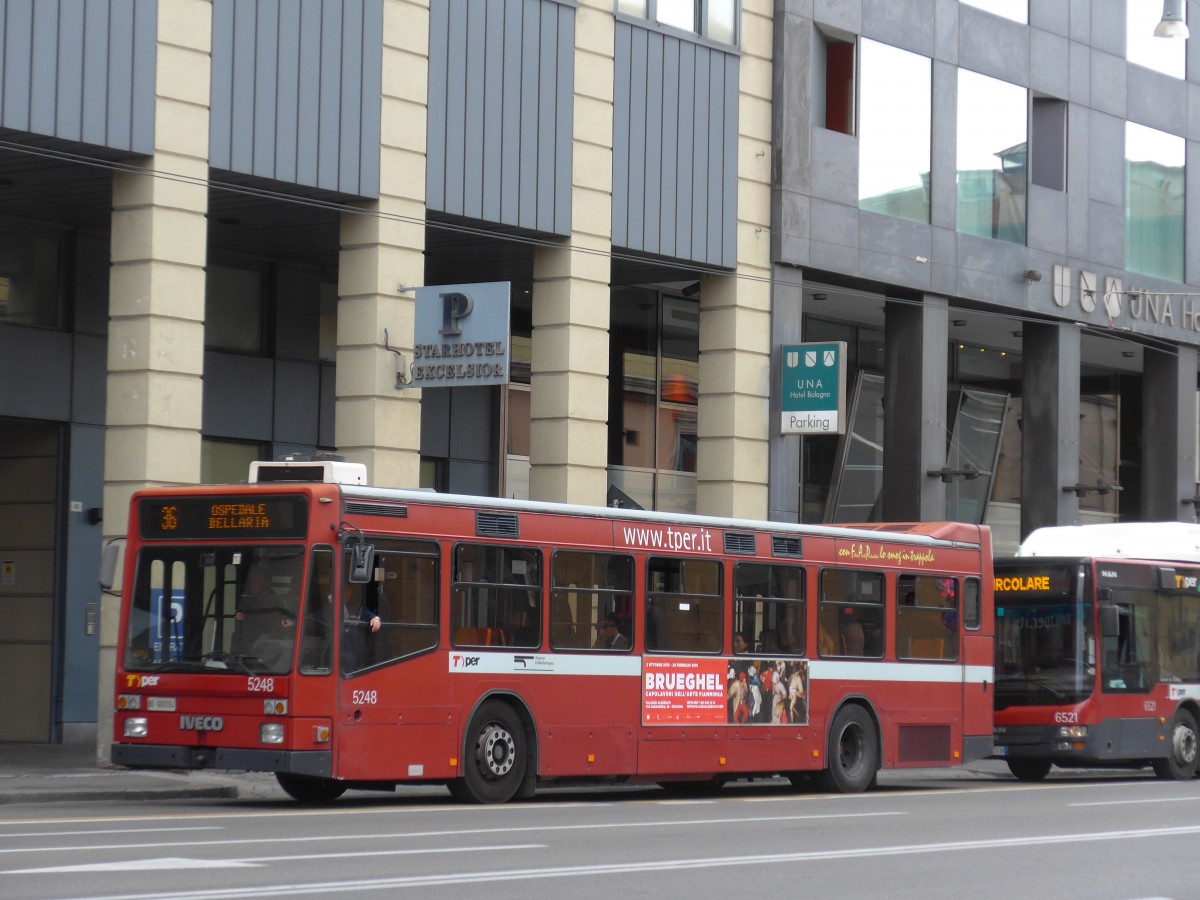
(40, 796)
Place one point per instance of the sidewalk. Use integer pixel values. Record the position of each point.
(47, 773)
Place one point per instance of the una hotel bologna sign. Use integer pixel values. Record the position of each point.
(813, 388)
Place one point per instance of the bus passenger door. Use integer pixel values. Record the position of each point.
(314, 687)
(978, 656)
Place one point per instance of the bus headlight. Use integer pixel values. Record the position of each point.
(275, 707)
(129, 701)
(270, 733)
(135, 728)
(1072, 732)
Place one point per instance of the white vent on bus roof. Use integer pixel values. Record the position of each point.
(1133, 540)
(326, 471)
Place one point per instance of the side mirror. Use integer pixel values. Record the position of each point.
(362, 563)
(110, 565)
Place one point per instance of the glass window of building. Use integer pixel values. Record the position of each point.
(1166, 55)
(894, 131)
(234, 310)
(1017, 10)
(1154, 189)
(327, 346)
(654, 354)
(992, 169)
(1048, 142)
(30, 280)
(713, 19)
(227, 462)
(833, 102)
(517, 391)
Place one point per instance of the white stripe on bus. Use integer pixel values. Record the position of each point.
(625, 665)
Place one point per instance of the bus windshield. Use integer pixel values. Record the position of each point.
(1045, 653)
(214, 609)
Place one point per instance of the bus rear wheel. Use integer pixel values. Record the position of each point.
(852, 753)
(497, 755)
(1183, 753)
(1029, 769)
(307, 789)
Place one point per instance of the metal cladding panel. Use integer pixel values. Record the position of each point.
(501, 101)
(72, 70)
(296, 91)
(675, 127)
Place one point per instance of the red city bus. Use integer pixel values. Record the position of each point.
(343, 636)
(1098, 649)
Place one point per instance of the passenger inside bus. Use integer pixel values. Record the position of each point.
(360, 620)
(608, 635)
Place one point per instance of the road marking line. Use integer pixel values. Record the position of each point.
(608, 869)
(1132, 802)
(180, 862)
(457, 832)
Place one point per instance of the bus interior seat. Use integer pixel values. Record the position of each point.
(927, 648)
(473, 637)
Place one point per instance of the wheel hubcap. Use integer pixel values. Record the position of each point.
(497, 750)
(1185, 745)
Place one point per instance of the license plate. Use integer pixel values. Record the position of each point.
(160, 704)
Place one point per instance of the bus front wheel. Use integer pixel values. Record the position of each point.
(853, 752)
(307, 789)
(1029, 769)
(1183, 752)
(496, 757)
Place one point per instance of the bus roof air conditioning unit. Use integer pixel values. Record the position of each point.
(323, 470)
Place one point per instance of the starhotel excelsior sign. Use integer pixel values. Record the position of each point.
(461, 335)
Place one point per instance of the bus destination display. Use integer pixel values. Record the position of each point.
(193, 518)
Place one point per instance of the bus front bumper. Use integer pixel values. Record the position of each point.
(314, 763)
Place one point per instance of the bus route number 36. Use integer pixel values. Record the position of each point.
(364, 698)
(1066, 718)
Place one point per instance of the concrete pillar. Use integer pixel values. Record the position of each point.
(382, 253)
(783, 484)
(1049, 425)
(156, 303)
(733, 458)
(914, 410)
(1169, 434)
(568, 425)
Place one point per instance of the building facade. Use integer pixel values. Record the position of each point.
(215, 215)
(986, 200)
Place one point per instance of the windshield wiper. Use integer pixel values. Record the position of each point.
(1011, 682)
(227, 661)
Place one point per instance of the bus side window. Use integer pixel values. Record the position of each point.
(768, 607)
(497, 596)
(586, 589)
(688, 618)
(850, 613)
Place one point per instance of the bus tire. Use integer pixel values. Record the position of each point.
(1183, 750)
(1028, 769)
(496, 756)
(852, 752)
(308, 789)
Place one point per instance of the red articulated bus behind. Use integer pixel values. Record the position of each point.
(342, 636)
(1098, 649)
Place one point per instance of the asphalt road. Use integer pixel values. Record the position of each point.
(924, 835)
